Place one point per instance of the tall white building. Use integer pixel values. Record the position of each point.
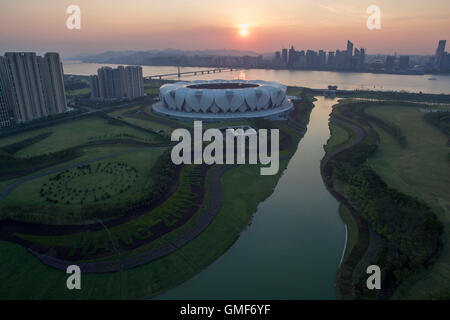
(33, 85)
(117, 84)
(53, 83)
(106, 83)
(134, 81)
(95, 87)
(4, 111)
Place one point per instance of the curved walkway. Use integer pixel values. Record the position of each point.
(165, 249)
(360, 135)
(149, 256)
(345, 274)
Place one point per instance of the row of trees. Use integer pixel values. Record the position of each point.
(410, 231)
(63, 188)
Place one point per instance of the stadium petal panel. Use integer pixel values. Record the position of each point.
(223, 99)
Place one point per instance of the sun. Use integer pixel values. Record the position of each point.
(243, 30)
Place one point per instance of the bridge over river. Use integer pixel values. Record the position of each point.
(194, 73)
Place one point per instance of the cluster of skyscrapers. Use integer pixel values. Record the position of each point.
(31, 87)
(350, 59)
(393, 64)
(440, 62)
(121, 83)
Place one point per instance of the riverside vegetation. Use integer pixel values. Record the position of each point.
(395, 228)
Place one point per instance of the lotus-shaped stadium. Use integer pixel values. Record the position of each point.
(223, 99)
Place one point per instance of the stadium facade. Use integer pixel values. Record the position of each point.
(223, 99)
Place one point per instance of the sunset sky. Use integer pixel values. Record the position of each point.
(408, 26)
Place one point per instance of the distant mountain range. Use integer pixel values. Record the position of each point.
(141, 57)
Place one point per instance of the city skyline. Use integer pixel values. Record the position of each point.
(261, 26)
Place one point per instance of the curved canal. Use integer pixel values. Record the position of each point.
(294, 244)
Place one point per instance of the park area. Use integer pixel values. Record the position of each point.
(119, 204)
(390, 170)
(421, 169)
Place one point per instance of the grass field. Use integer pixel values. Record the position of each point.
(155, 123)
(78, 92)
(421, 169)
(338, 137)
(73, 196)
(149, 121)
(75, 133)
(151, 91)
(243, 191)
(341, 136)
(412, 158)
(167, 212)
(149, 125)
(119, 112)
(88, 153)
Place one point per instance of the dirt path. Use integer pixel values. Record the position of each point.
(360, 135)
(345, 273)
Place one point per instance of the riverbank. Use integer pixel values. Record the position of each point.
(389, 223)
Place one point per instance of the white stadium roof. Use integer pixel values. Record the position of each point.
(222, 98)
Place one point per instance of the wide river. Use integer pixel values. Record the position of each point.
(295, 242)
(310, 79)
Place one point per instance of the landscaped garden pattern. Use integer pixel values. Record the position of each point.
(184, 209)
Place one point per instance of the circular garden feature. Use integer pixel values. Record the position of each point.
(89, 183)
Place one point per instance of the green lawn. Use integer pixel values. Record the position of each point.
(119, 112)
(78, 92)
(339, 136)
(244, 189)
(421, 169)
(149, 125)
(72, 203)
(75, 133)
(171, 208)
(151, 91)
(155, 123)
(88, 153)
